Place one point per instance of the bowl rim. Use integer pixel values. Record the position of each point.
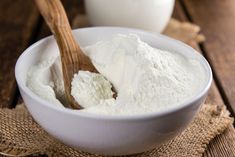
(173, 108)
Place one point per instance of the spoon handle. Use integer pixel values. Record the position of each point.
(70, 52)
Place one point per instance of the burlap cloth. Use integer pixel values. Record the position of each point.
(20, 135)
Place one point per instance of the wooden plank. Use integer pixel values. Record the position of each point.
(217, 21)
(17, 20)
(220, 145)
(223, 145)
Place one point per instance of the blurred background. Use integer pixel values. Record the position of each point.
(210, 25)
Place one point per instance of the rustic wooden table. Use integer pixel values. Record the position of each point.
(21, 25)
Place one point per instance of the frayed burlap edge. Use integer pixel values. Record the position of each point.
(20, 135)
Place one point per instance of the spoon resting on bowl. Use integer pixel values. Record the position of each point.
(72, 57)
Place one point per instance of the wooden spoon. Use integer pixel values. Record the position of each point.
(72, 57)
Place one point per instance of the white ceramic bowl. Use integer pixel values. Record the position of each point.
(116, 135)
(151, 15)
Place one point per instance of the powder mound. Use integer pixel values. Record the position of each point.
(89, 89)
(146, 79)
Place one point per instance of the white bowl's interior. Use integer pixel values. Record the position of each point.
(88, 36)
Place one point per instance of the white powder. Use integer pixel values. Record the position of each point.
(90, 88)
(146, 79)
(40, 81)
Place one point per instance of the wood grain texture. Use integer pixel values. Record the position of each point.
(17, 20)
(217, 22)
(224, 144)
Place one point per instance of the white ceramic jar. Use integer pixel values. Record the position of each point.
(151, 15)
